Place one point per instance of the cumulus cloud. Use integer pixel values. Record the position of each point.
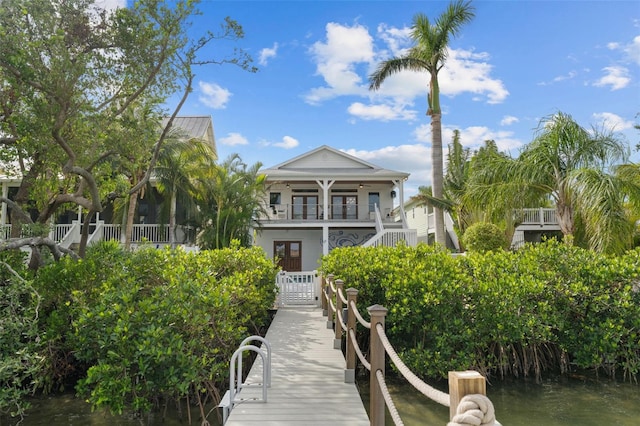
(617, 77)
(213, 95)
(613, 121)
(633, 50)
(268, 53)
(287, 143)
(396, 39)
(382, 112)
(336, 61)
(507, 120)
(233, 139)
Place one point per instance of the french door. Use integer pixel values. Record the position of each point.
(289, 255)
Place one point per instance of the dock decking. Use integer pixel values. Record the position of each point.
(307, 383)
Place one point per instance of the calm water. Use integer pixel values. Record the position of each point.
(554, 402)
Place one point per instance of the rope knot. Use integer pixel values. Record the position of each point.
(474, 410)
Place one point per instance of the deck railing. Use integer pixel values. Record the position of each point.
(315, 212)
(467, 390)
(540, 216)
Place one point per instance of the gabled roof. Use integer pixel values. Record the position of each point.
(327, 162)
(196, 127)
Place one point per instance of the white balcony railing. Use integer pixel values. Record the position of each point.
(539, 216)
(315, 212)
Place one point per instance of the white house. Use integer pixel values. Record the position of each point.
(325, 199)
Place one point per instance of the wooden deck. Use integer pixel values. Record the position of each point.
(307, 384)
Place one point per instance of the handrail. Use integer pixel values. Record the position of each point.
(231, 397)
(467, 390)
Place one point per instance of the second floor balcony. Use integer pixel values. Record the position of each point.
(339, 212)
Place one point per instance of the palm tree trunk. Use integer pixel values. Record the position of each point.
(437, 175)
(172, 219)
(565, 220)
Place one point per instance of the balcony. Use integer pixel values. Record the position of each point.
(279, 213)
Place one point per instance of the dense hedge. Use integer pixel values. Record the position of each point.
(134, 330)
(546, 307)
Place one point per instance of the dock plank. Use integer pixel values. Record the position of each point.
(307, 384)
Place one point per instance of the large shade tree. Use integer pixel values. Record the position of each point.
(574, 168)
(429, 55)
(70, 76)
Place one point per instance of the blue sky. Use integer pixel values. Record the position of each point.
(515, 63)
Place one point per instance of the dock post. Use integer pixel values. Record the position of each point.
(329, 297)
(337, 341)
(376, 401)
(462, 383)
(350, 371)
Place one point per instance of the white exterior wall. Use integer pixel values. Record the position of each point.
(418, 219)
(311, 244)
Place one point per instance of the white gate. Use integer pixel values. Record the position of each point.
(297, 288)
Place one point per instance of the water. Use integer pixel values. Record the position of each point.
(554, 402)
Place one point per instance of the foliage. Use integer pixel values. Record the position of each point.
(21, 350)
(546, 307)
(131, 330)
(82, 94)
(229, 198)
(166, 324)
(569, 165)
(483, 237)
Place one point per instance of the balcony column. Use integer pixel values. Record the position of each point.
(325, 184)
(400, 184)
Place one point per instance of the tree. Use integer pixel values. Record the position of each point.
(181, 164)
(429, 55)
(571, 166)
(230, 201)
(72, 78)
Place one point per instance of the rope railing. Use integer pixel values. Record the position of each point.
(467, 401)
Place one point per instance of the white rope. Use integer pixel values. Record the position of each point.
(428, 391)
(333, 287)
(343, 326)
(341, 296)
(333, 307)
(361, 320)
(474, 410)
(387, 399)
(363, 360)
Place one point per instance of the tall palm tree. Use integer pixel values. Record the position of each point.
(429, 55)
(571, 166)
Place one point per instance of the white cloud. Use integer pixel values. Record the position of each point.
(411, 158)
(508, 120)
(336, 61)
(570, 75)
(615, 76)
(287, 143)
(233, 139)
(613, 121)
(397, 39)
(268, 53)
(633, 50)
(471, 137)
(382, 112)
(213, 95)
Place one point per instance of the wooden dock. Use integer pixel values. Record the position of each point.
(307, 384)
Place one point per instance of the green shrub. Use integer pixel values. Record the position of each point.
(482, 237)
(546, 307)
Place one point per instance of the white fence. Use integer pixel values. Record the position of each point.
(297, 288)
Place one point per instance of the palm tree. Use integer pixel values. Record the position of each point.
(569, 165)
(180, 163)
(230, 201)
(429, 54)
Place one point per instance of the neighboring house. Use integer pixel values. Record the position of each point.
(66, 230)
(533, 225)
(326, 199)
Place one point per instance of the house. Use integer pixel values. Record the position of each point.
(66, 229)
(532, 225)
(325, 199)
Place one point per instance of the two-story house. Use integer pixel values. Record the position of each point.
(325, 199)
